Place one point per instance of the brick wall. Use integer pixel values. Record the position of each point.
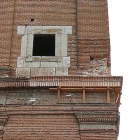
(41, 127)
(88, 46)
(69, 119)
(89, 53)
(45, 97)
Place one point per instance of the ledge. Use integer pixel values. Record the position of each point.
(55, 81)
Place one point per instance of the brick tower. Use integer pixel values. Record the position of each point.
(55, 80)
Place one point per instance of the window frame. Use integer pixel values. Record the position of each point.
(61, 39)
(29, 65)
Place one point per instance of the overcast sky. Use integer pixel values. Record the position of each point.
(124, 22)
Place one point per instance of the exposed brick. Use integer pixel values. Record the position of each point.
(83, 50)
(91, 30)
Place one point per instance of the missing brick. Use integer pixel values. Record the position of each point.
(91, 58)
(32, 20)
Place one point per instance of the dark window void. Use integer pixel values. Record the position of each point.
(44, 45)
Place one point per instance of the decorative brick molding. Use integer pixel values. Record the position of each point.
(48, 81)
(29, 65)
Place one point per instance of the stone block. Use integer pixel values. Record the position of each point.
(58, 51)
(29, 45)
(51, 58)
(58, 41)
(34, 30)
(66, 61)
(23, 45)
(21, 30)
(28, 58)
(52, 31)
(20, 61)
(44, 30)
(42, 71)
(22, 72)
(32, 64)
(51, 64)
(91, 126)
(36, 58)
(63, 71)
(58, 58)
(67, 30)
(32, 58)
(64, 45)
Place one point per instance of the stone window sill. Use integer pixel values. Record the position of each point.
(43, 59)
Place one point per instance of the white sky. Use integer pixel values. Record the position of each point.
(124, 22)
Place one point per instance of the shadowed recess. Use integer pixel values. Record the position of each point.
(44, 45)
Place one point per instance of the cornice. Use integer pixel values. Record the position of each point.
(55, 81)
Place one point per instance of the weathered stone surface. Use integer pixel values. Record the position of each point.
(62, 71)
(34, 30)
(51, 58)
(58, 41)
(51, 64)
(29, 45)
(66, 61)
(28, 58)
(97, 126)
(64, 44)
(32, 58)
(67, 30)
(20, 61)
(22, 72)
(21, 30)
(61, 45)
(32, 64)
(23, 46)
(58, 51)
(57, 29)
(42, 71)
(36, 58)
(52, 31)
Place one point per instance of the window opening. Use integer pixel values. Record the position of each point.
(44, 45)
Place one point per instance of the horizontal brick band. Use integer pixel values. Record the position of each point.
(50, 81)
